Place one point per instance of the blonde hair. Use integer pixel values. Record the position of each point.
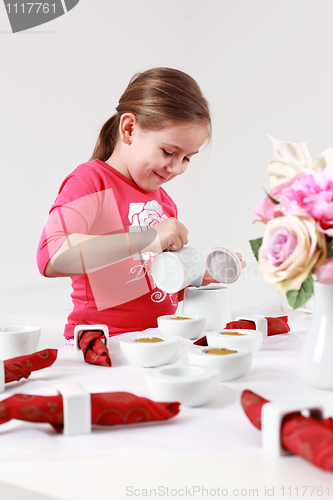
(158, 98)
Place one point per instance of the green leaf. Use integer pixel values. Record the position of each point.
(329, 249)
(297, 298)
(255, 245)
(276, 202)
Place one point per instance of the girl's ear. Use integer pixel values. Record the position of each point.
(127, 124)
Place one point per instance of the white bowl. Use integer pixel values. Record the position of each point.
(190, 327)
(18, 340)
(146, 352)
(230, 366)
(189, 385)
(247, 339)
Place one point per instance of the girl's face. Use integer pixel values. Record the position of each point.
(153, 158)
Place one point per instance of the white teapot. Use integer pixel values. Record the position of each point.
(174, 271)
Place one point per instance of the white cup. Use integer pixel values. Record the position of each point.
(211, 302)
(173, 271)
(18, 340)
(223, 264)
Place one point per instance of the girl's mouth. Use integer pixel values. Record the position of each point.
(162, 179)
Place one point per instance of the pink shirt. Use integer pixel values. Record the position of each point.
(96, 199)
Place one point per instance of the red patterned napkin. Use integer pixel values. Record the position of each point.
(22, 366)
(202, 342)
(93, 348)
(275, 326)
(306, 437)
(112, 408)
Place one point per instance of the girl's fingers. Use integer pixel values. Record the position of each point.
(172, 234)
(243, 263)
(176, 245)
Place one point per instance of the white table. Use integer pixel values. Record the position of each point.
(206, 452)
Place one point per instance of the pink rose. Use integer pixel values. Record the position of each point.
(265, 208)
(292, 247)
(311, 194)
(280, 246)
(324, 272)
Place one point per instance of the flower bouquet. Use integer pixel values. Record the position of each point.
(298, 215)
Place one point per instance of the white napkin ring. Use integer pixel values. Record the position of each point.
(76, 409)
(272, 415)
(260, 322)
(79, 328)
(2, 376)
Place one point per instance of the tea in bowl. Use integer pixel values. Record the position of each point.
(148, 352)
(18, 340)
(186, 326)
(189, 385)
(246, 339)
(231, 362)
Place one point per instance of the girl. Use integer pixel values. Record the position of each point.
(112, 215)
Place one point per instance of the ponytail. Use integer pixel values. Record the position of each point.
(107, 139)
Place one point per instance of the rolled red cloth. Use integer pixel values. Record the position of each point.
(275, 326)
(306, 437)
(202, 342)
(94, 350)
(112, 408)
(22, 366)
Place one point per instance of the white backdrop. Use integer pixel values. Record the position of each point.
(265, 66)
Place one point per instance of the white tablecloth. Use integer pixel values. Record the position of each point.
(210, 446)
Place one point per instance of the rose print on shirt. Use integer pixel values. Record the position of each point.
(145, 216)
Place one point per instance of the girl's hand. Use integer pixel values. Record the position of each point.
(207, 279)
(171, 235)
(243, 263)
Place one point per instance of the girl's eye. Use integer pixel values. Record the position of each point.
(167, 153)
(186, 158)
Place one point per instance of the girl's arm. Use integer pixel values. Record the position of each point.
(82, 253)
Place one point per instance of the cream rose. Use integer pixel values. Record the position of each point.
(292, 247)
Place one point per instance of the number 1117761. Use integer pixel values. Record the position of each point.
(31, 8)
(305, 491)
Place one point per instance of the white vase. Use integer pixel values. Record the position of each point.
(315, 364)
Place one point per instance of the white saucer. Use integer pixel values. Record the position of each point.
(189, 385)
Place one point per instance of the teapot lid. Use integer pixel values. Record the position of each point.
(223, 265)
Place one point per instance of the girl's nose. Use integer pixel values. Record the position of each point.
(174, 167)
